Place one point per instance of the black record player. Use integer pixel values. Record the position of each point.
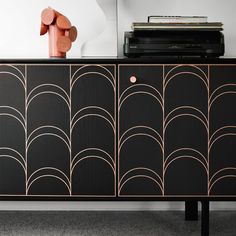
(174, 43)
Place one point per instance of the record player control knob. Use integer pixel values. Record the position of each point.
(133, 79)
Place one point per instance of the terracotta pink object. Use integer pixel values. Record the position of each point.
(72, 33)
(61, 32)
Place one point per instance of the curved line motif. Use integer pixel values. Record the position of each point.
(185, 149)
(140, 176)
(92, 73)
(221, 94)
(14, 67)
(19, 79)
(219, 171)
(185, 156)
(6, 114)
(7, 148)
(185, 114)
(222, 128)
(140, 92)
(93, 149)
(48, 126)
(47, 92)
(141, 168)
(47, 134)
(219, 137)
(139, 85)
(220, 87)
(93, 107)
(223, 177)
(186, 107)
(92, 115)
(89, 65)
(50, 85)
(12, 157)
(140, 126)
(43, 176)
(14, 109)
(181, 73)
(182, 65)
(92, 156)
(140, 134)
(48, 168)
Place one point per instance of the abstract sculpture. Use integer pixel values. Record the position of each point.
(61, 33)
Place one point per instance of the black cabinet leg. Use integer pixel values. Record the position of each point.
(191, 210)
(205, 218)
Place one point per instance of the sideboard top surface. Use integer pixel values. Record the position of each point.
(120, 60)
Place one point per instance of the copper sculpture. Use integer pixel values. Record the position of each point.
(61, 32)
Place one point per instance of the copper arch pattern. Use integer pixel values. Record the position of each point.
(170, 118)
(153, 168)
(34, 93)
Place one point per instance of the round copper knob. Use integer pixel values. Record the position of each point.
(133, 79)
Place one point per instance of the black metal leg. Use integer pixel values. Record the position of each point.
(205, 218)
(191, 210)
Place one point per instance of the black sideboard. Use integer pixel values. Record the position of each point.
(119, 129)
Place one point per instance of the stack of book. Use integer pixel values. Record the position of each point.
(199, 23)
(175, 36)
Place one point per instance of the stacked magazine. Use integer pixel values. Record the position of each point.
(199, 23)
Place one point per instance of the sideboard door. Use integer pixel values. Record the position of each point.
(57, 130)
(163, 130)
(222, 139)
(185, 125)
(12, 130)
(93, 128)
(140, 130)
(47, 108)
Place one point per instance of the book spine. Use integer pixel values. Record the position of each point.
(176, 19)
(215, 24)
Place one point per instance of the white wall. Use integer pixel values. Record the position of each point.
(20, 21)
(20, 25)
(19, 38)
